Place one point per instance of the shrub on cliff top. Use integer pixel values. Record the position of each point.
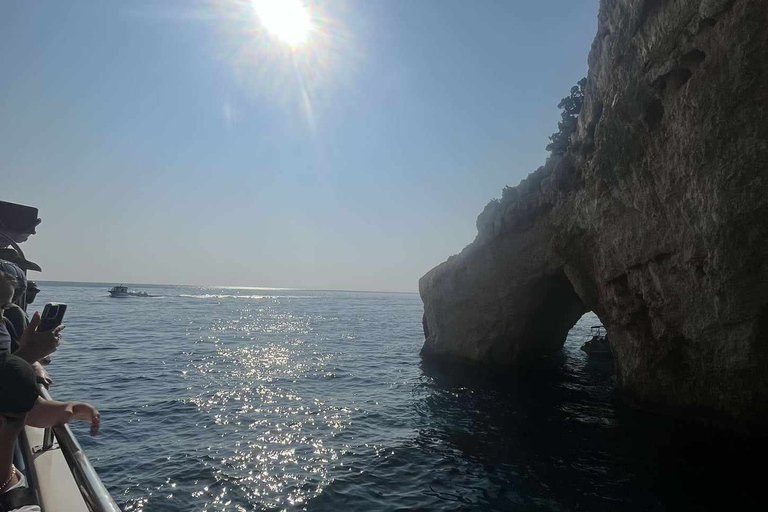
(507, 192)
(571, 106)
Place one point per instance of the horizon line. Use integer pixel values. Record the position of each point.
(225, 286)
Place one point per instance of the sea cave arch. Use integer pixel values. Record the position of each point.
(516, 316)
(552, 308)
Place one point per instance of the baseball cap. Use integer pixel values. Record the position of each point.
(18, 385)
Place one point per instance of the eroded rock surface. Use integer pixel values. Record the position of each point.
(656, 220)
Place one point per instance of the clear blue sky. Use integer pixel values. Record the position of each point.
(179, 142)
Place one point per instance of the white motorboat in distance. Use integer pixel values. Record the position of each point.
(123, 291)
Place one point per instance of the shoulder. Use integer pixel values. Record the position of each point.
(18, 318)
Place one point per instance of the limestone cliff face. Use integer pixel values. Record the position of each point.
(656, 220)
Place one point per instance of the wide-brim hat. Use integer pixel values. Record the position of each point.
(23, 263)
(18, 218)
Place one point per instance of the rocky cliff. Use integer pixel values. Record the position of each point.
(656, 219)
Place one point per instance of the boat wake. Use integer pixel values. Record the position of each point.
(217, 296)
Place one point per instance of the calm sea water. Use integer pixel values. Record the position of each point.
(253, 399)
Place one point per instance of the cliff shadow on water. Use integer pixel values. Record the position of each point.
(554, 435)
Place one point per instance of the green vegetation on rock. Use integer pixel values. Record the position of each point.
(571, 106)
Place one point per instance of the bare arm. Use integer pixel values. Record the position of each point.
(47, 413)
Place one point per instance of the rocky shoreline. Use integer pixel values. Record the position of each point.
(656, 219)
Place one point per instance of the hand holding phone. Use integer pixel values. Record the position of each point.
(53, 314)
(37, 342)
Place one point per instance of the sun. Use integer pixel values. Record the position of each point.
(288, 20)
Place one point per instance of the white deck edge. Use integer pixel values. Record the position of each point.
(57, 488)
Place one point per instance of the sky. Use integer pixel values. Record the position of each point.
(185, 142)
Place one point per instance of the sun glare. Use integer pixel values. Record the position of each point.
(288, 20)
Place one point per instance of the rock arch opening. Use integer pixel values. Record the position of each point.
(554, 307)
(517, 312)
(582, 343)
(536, 322)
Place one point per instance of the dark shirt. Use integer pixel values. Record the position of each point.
(18, 319)
(13, 324)
(5, 338)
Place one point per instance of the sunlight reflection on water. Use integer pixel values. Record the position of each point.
(275, 441)
(279, 437)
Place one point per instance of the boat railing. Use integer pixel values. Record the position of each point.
(95, 494)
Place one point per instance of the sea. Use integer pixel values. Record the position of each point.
(240, 399)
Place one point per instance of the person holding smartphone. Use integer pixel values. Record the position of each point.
(8, 285)
(34, 344)
(15, 317)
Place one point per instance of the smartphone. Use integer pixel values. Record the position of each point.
(53, 314)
